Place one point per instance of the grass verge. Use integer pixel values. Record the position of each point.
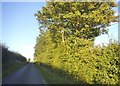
(53, 77)
(10, 68)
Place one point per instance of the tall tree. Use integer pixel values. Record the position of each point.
(80, 19)
(66, 31)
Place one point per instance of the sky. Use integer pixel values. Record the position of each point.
(20, 27)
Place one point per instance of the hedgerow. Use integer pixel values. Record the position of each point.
(66, 41)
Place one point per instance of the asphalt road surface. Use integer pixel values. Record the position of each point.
(29, 74)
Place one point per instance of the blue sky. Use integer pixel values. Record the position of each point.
(20, 27)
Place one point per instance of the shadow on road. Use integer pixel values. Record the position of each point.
(56, 73)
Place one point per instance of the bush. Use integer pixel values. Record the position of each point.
(84, 61)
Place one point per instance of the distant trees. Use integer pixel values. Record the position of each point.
(66, 40)
(28, 60)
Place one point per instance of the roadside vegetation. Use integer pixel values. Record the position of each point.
(54, 76)
(66, 43)
(11, 61)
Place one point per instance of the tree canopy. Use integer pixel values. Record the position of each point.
(80, 19)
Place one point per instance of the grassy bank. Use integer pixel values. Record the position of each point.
(11, 60)
(52, 76)
(10, 68)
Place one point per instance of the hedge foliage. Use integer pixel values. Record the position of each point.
(68, 41)
(10, 57)
(81, 59)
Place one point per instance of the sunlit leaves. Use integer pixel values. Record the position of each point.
(66, 40)
(76, 15)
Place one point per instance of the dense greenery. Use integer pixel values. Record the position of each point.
(11, 61)
(66, 41)
(11, 56)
